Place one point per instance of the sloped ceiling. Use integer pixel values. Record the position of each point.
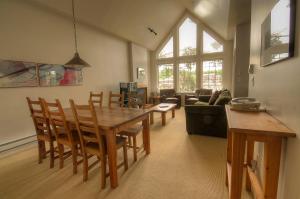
(212, 12)
(129, 19)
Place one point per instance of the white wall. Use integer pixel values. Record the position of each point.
(278, 86)
(30, 34)
(140, 58)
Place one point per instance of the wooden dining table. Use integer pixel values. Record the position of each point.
(112, 121)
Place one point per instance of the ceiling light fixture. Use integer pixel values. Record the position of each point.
(76, 61)
(152, 31)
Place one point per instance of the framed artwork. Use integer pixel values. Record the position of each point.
(140, 73)
(18, 74)
(278, 33)
(59, 75)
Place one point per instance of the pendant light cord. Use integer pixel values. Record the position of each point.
(74, 24)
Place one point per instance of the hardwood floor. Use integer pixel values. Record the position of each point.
(179, 166)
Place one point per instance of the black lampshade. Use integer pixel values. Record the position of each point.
(76, 61)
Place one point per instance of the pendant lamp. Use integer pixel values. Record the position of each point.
(76, 61)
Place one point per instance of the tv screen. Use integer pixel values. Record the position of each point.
(278, 33)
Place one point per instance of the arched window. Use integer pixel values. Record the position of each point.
(191, 57)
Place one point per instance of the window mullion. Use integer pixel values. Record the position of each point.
(176, 55)
(199, 56)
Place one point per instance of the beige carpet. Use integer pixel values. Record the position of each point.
(179, 166)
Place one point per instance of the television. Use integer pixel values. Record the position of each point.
(278, 33)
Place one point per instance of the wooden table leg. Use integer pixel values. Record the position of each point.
(272, 155)
(237, 164)
(250, 150)
(146, 135)
(229, 152)
(151, 118)
(173, 112)
(112, 157)
(163, 118)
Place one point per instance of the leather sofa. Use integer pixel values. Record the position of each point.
(208, 119)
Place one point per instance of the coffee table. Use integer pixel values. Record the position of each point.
(162, 108)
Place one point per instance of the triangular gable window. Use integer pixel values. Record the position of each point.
(167, 50)
(187, 38)
(210, 45)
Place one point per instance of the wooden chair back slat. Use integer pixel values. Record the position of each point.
(88, 129)
(58, 120)
(38, 114)
(42, 128)
(96, 98)
(117, 99)
(54, 113)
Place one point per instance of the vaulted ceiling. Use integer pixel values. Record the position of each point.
(129, 19)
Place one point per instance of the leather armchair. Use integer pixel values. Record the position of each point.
(170, 96)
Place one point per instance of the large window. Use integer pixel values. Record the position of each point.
(187, 38)
(187, 77)
(210, 45)
(165, 76)
(212, 74)
(167, 50)
(183, 66)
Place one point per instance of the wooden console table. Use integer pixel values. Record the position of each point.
(251, 127)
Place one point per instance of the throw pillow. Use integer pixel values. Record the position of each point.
(214, 97)
(223, 98)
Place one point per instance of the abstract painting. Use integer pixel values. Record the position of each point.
(59, 75)
(17, 74)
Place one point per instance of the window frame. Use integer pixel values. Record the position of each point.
(222, 69)
(179, 74)
(198, 58)
(166, 63)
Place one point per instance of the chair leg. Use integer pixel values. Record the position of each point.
(40, 151)
(51, 154)
(85, 167)
(74, 157)
(44, 151)
(125, 156)
(134, 149)
(129, 141)
(103, 171)
(61, 155)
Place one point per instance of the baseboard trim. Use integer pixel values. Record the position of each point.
(17, 143)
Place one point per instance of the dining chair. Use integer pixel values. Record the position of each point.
(117, 99)
(42, 129)
(134, 101)
(63, 133)
(93, 140)
(96, 98)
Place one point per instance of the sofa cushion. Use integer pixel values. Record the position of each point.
(199, 103)
(192, 99)
(214, 97)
